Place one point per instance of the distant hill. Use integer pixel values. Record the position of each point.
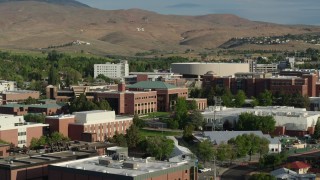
(59, 2)
(38, 25)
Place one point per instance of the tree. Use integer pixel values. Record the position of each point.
(205, 151)
(272, 160)
(224, 152)
(160, 147)
(119, 139)
(187, 132)
(265, 98)
(181, 111)
(31, 100)
(316, 134)
(104, 105)
(138, 121)
(38, 118)
(53, 75)
(172, 123)
(196, 119)
(132, 136)
(251, 122)
(227, 98)
(192, 106)
(239, 99)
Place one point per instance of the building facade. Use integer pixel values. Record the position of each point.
(114, 71)
(13, 129)
(196, 70)
(8, 97)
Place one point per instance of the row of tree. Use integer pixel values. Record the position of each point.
(55, 139)
(240, 146)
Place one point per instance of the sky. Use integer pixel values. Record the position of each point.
(276, 11)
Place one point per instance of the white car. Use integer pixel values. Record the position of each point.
(204, 170)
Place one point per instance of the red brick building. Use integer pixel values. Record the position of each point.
(4, 150)
(17, 96)
(255, 83)
(167, 94)
(13, 129)
(89, 126)
(129, 102)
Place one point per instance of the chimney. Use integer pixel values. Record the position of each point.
(121, 87)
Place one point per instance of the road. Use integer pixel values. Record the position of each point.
(236, 173)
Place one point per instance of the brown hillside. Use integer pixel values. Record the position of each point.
(35, 25)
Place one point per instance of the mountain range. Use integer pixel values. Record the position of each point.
(68, 25)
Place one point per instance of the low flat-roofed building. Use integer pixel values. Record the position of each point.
(219, 137)
(296, 121)
(36, 166)
(17, 96)
(14, 129)
(105, 167)
(60, 123)
(22, 109)
(4, 150)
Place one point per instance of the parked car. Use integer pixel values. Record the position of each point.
(204, 170)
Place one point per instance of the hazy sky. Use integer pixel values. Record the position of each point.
(277, 11)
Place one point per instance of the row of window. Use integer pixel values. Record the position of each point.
(137, 98)
(22, 142)
(22, 133)
(141, 104)
(144, 111)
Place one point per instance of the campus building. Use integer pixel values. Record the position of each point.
(198, 69)
(22, 109)
(289, 120)
(7, 97)
(111, 70)
(129, 102)
(167, 94)
(89, 126)
(35, 167)
(105, 167)
(253, 84)
(13, 129)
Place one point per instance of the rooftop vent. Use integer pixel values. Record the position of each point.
(105, 162)
(130, 165)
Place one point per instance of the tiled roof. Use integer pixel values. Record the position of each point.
(152, 85)
(297, 165)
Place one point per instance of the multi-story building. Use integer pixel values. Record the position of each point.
(105, 167)
(13, 129)
(7, 97)
(255, 83)
(167, 94)
(129, 102)
(114, 71)
(89, 126)
(167, 77)
(22, 109)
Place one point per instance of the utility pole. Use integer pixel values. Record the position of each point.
(214, 168)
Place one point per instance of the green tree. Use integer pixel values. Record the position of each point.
(192, 106)
(132, 136)
(227, 98)
(38, 118)
(181, 112)
(316, 134)
(187, 132)
(138, 121)
(273, 160)
(53, 75)
(172, 123)
(119, 139)
(196, 119)
(160, 147)
(224, 152)
(265, 98)
(251, 122)
(205, 151)
(239, 99)
(31, 100)
(104, 105)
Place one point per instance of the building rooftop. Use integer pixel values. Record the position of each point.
(34, 160)
(297, 165)
(152, 85)
(131, 167)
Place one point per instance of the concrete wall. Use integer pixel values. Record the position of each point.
(199, 69)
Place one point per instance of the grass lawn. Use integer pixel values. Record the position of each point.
(144, 132)
(157, 115)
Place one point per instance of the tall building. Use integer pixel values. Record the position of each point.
(13, 129)
(114, 71)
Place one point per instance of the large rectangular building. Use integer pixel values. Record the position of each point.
(106, 168)
(13, 129)
(114, 71)
(89, 126)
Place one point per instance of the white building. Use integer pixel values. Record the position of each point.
(218, 137)
(293, 119)
(115, 71)
(7, 86)
(14, 129)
